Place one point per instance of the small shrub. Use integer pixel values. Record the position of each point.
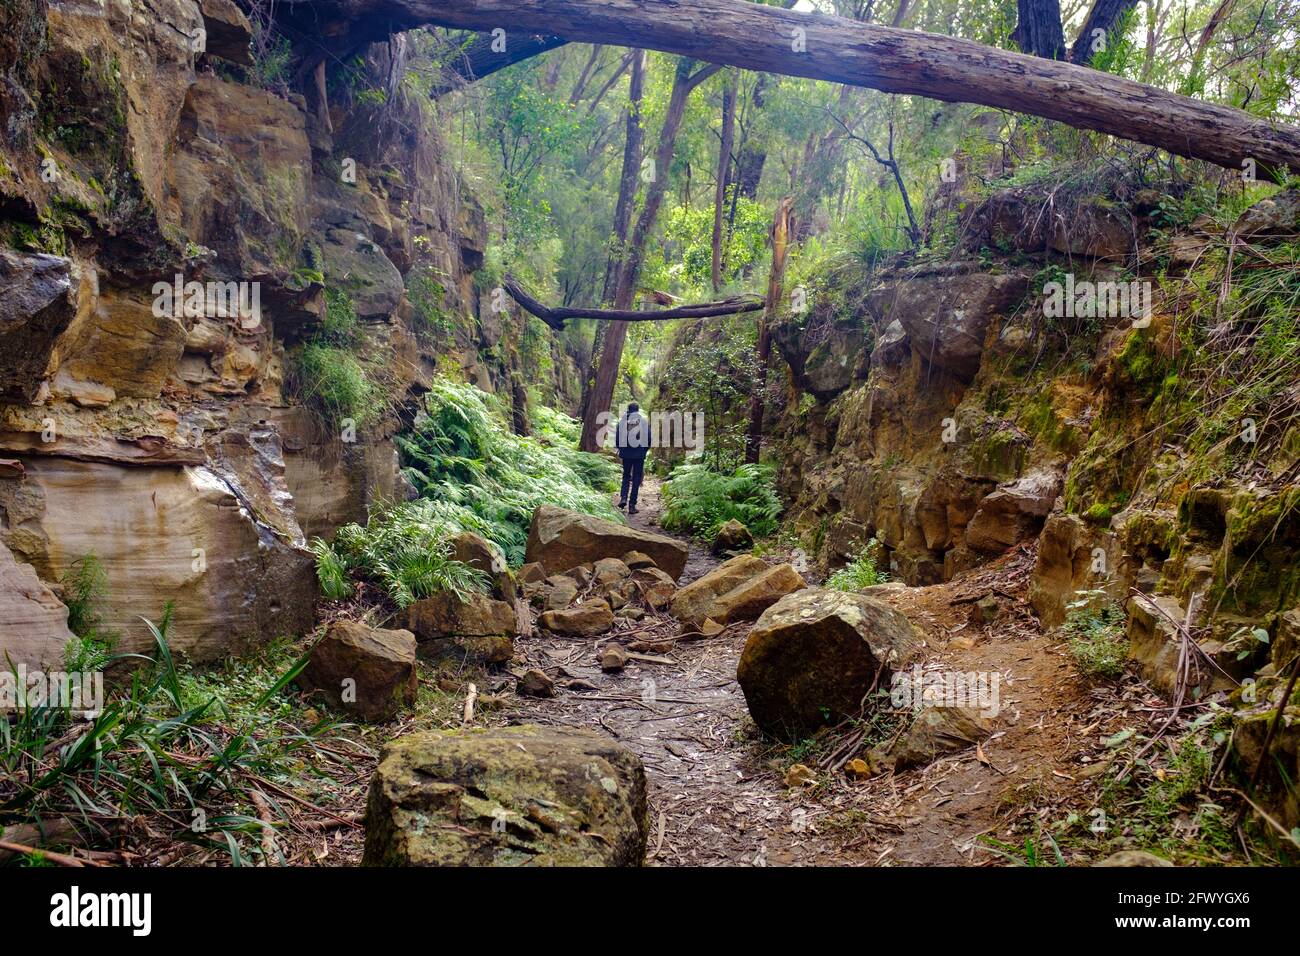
(859, 573)
(697, 500)
(85, 587)
(1096, 639)
(404, 549)
(335, 383)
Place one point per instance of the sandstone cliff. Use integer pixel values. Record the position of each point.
(178, 442)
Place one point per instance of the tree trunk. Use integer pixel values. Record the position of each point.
(752, 156)
(627, 180)
(1038, 28)
(611, 353)
(770, 39)
(632, 143)
(724, 171)
(775, 287)
(1103, 16)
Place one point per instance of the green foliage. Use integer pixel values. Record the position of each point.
(336, 383)
(331, 572)
(461, 454)
(85, 588)
(697, 499)
(710, 369)
(340, 321)
(859, 573)
(171, 746)
(272, 57)
(1096, 638)
(1030, 853)
(335, 374)
(685, 262)
(426, 294)
(404, 549)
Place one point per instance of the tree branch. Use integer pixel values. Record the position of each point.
(556, 318)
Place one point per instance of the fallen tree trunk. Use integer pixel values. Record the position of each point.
(556, 318)
(771, 39)
(478, 59)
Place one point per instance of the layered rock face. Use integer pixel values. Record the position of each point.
(174, 231)
(957, 411)
(925, 414)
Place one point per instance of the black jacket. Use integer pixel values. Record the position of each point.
(632, 437)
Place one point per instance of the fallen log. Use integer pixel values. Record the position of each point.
(818, 46)
(556, 317)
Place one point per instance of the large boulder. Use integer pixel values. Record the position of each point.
(474, 628)
(692, 603)
(751, 598)
(35, 631)
(1014, 512)
(509, 796)
(560, 540)
(812, 657)
(946, 311)
(367, 671)
(37, 302)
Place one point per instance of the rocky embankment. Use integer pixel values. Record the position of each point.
(178, 222)
(948, 413)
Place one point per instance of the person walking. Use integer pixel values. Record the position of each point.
(632, 438)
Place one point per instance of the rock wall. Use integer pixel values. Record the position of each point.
(932, 408)
(170, 439)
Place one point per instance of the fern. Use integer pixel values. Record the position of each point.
(697, 500)
(405, 549)
(461, 455)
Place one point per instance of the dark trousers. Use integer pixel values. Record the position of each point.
(633, 468)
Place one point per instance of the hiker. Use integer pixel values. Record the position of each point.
(632, 438)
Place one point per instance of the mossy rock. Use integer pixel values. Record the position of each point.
(815, 654)
(509, 796)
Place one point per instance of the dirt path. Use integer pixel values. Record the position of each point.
(717, 791)
(711, 801)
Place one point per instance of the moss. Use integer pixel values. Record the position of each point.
(1000, 454)
(1099, 513)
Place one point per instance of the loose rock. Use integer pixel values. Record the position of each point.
(367, 671)
(587, 619)
(691, 604)
(732, 536)
(535, 683)
(510, 796)
(613, 658)
(814, 655)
